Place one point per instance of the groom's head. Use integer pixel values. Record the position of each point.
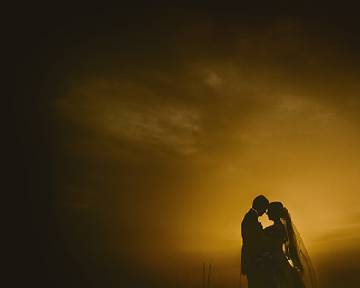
(260, 204)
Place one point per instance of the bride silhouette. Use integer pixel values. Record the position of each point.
(286, 260)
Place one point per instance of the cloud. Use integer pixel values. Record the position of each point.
(213, 80)
(110, 109)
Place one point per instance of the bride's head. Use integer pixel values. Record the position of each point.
(276, 211)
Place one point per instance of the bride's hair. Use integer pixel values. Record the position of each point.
(277, 210)
(285, 214)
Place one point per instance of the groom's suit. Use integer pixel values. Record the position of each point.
(253, 245)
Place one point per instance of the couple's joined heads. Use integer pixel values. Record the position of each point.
(274, 210)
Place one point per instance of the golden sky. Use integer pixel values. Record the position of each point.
(165, 134)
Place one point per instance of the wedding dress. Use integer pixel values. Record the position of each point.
(289, 264)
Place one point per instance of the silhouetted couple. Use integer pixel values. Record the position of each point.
(274, 257)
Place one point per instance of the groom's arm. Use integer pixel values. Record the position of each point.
(252, 231)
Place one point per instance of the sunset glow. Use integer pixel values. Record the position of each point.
(165, 124)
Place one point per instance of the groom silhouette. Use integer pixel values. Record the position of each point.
(253, 243)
